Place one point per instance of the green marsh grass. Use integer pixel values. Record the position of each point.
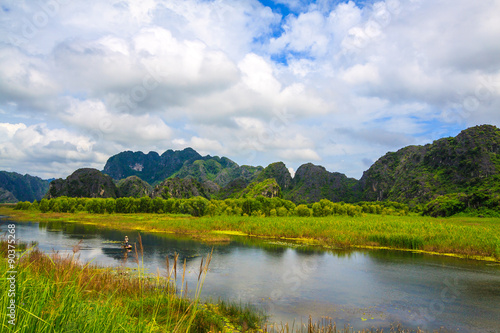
(463, 236)
(56, 293)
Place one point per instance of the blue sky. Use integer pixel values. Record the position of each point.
(335, 83)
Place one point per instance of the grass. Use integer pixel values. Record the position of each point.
(58, 294)
(327, 325)
(470, 237)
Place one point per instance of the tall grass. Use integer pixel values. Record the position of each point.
(467, 236)
(327, 325)
(58, 294)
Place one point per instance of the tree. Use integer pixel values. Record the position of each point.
(303, 211)
(44, 206)
(110, 205)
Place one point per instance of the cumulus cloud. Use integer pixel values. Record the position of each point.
(331, 81)
(46, 151)
(93, 116)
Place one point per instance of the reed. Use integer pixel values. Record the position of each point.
(463, 236)
(56, 293)
(327, 325)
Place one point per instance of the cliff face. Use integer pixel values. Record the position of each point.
(87, 183)
(279, 172)
(418, 174)
(154, 168)
(150, 167)
(15, 187)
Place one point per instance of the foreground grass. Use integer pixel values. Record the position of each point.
(477, 238)
(58, 294)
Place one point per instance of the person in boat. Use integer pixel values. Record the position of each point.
(126, 243)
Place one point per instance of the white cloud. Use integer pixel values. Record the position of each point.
(299, 155)
(258, 75)
(7, 130)
(359, 74)
(126, 129)
(47, 151)
(332, 82)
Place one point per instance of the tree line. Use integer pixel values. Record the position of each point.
(199, 206)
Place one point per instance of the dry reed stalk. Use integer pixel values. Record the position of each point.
(140, 244)
(201, 269)
(176, 256)
(168, 267)
(183, 275)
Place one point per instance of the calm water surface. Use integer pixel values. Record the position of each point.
(366, 289)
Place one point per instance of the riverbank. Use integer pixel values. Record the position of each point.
(465, 237)
(58, 293)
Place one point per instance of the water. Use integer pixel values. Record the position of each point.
(374, 288)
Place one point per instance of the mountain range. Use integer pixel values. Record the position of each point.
(15, 187)
(415, 175)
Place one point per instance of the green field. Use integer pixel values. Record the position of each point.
(471, 237)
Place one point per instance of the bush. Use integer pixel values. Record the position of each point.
(446, 205)
(22, 205)
(302, 211)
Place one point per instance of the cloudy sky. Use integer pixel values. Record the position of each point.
(334, 83)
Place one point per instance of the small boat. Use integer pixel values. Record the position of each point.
(129, 246)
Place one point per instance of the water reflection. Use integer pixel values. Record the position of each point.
(363, 288)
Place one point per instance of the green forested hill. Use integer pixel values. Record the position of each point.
(134, 187)
(187, 163)
(150, 167)
(86, 182)
(313, 183)
(15, 187)
(449, 175)
(467, 163)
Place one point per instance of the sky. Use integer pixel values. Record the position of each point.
(334, 83)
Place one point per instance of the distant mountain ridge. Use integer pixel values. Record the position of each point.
(15, 187)
(154, 168)
(466, 164)
(311, 183)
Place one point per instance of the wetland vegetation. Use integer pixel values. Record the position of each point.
(471, 237)
(56, 293)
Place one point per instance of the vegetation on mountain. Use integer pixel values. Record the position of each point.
(456, 175)
(268, 188)
(279, 172)
(150, 167)
(313, 183)
(87, 182)
(7, 196)
(184, 188)
(483, 200)
(221, 171)
(467, 164)
(135, 187)
(15, 187)
(232, 189)
(187, 163)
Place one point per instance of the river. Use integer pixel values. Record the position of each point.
(364, 288)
